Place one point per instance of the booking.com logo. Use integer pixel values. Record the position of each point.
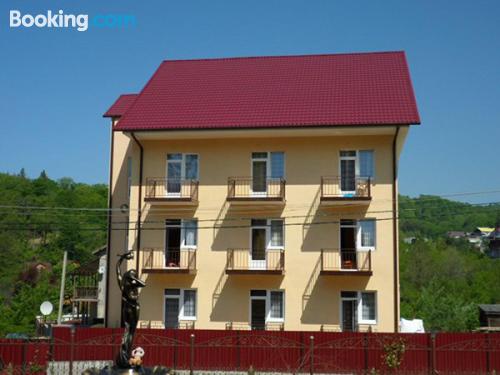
(80, 22)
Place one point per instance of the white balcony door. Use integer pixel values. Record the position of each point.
(348, 172)
(180, 167)
(259, 173)
(174, 174)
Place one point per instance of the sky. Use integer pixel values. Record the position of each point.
(56, 83)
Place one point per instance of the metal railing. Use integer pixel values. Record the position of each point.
(157, 187)
(345, 187)
(158, 324)
(269, 326)
(248, 188)
(85, 292)
(346, 260)
(241, 260)
(156, 259)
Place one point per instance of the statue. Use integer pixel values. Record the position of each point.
(129, 285)
(128, 361)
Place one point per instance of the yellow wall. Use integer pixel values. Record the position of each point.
(311, 300)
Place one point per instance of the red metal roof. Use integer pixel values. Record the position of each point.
(120, 105)
(284, 91)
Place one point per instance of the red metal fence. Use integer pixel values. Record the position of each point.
(280, 351)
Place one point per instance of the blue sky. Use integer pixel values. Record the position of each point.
(56, 83)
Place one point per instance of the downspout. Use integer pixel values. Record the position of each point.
(139, 203)
(395, 229)
(110, 216)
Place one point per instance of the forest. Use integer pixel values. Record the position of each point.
(442, 280)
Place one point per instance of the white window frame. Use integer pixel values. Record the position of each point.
(268, 306)
(359, 247)
(357, 226)
(182, 161)
(183, 235)
(359, 307)
(267, 298)
(267, 159)
(356, 164)
(269, 235)
(180, 297)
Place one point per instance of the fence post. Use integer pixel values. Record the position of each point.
(191, 358)
(311, 355)
(25, 341)
(71, 349)
(488, 361)
(365, 351)
(433, 353)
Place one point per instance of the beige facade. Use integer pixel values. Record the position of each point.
(307, 265)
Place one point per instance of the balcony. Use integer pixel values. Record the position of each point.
(171, 261)
(269, 326)
(346, 262)
(247, 190)
(85, 293)
(171, 191)
(241, 262)
(343, 190)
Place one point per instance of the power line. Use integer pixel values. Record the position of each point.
(100, 209)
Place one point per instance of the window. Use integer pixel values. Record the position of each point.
(271, 163)
(356, 164)
(276, 305)
(358, 235)
(180, 305)
(277, 164)
(271, 307)
(180, 167)
(366, 163)
(189, 304)
(366, 234)
(274, 232)
(358, 307)
(368, 307)
(189, 233)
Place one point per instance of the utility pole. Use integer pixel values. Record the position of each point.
(61, 293)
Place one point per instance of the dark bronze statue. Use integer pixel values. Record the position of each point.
(129, 285)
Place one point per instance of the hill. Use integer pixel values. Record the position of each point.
(442, 281)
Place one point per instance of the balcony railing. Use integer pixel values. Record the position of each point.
(173, 190)
(250, 189)
(270, 326)
(345, 188)
(85, 293)
(171, 261)
(240, 261)
(158, 324)
(346, 262)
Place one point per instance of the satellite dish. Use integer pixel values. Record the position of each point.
(46, 308)
(102, 270)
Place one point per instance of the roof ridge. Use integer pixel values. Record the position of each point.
(286, 56)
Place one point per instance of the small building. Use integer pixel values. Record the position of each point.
(89, 290)
(456, 235)
(489, 317)
(494, 243)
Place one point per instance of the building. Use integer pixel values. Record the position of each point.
(494, 243)
(489, 317)
(88, 290)
(456, 235)
(262, 192)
